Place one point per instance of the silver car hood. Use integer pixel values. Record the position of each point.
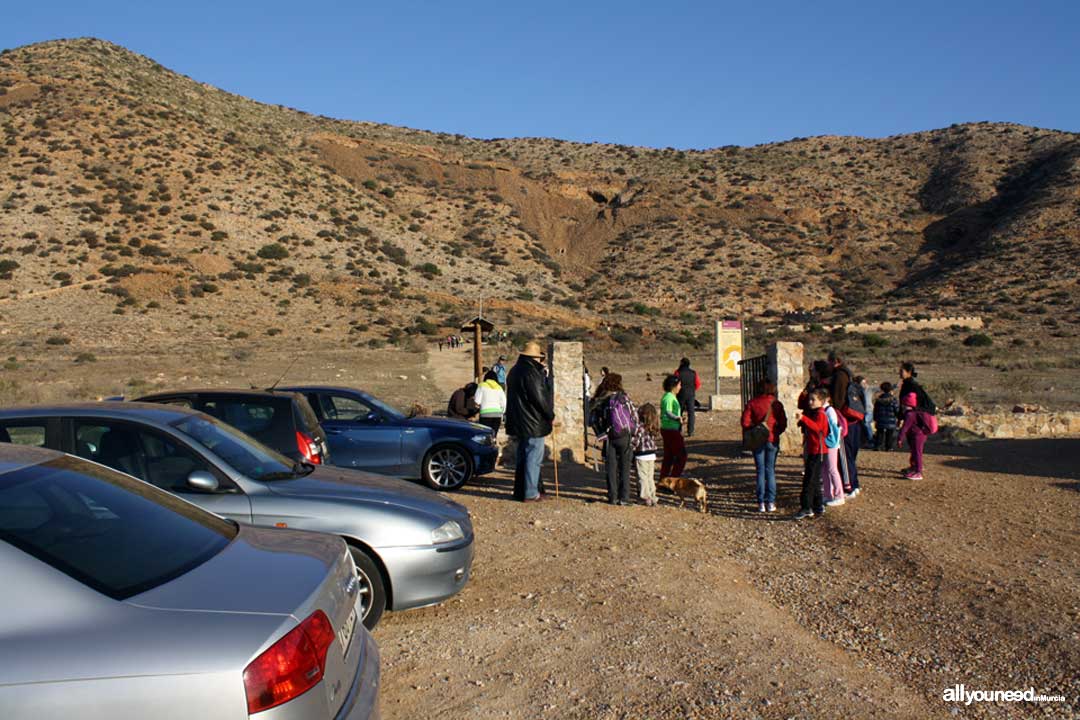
(300, 561)
(335, 483)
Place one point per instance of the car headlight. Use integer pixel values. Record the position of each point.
(449, 531)
(483, 439)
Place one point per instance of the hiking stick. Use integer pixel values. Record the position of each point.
(555, 460)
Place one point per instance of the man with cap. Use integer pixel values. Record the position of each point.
(530, 412)
(500, 371)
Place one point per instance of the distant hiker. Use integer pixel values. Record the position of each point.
(644, 447)
(815, 426)
(915, 432)
(440, 345)
(613, 418)
(530, 413)
(847, 398)
(690, 384)
(491, 399)
(671, 430)
(500, 371)
(764, 411)
(462, 405)
(886, 414)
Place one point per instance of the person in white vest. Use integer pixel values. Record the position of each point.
(491, 398)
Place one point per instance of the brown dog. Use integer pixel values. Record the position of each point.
(686, 488)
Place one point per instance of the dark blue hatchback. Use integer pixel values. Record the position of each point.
(365, 433)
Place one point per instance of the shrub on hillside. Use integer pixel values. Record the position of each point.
(978, 340)
(273, 251)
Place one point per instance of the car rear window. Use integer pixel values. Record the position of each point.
(258, 417)
(307, 420)
(115, 534)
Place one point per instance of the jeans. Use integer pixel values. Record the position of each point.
(765, 464)
(617, 456)
(885, 438)
(688, 406)
(852, 443)
(530, 454)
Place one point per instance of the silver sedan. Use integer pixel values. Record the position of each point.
(412, 546)
(124, 602)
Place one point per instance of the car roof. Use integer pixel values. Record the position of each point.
(324, 388)
(153, 412)
(243, 392)
(17, 457)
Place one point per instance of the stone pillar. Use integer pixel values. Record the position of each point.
(787, 369)
(567, 367)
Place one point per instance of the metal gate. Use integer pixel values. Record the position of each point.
(752, 370)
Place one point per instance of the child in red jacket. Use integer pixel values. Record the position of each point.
(815, 427)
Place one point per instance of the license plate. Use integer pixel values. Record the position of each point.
(345, 633)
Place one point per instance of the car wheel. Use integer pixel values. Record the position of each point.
(371, 590)
(447, 467)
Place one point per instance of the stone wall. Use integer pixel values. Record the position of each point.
(972, 322)
(567, 365)
(787, 368)
(1012, 425)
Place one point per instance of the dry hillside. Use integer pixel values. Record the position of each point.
(141, 208)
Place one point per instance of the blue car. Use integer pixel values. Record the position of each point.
(365, 433)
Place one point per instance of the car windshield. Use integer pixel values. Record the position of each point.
(244, 453)
(111, 532)
(384, 408)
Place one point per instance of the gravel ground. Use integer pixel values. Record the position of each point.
(584, 610)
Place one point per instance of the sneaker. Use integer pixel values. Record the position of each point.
(819, 514)
(772, 507)
(801, 515)
(761, 507)
(856, 492)
(914, 476)
(834, 502)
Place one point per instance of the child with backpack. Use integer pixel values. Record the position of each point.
(916, 428)
(614, 419)
(832, 484)
(644, 447)
(886, 412)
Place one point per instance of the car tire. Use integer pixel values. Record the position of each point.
(372, 587)
(447, 467)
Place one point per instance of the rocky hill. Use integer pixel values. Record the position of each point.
(141, 208)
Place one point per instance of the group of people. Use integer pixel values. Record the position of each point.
(627, 433)
(451, 341)
(834, 414)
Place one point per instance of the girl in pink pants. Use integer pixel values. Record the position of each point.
(915, 432)
(832, 484)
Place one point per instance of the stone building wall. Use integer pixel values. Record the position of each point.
(567, 366)
(787, 368)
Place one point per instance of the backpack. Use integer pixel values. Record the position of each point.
(755, 437)
(833, 436)
(854, 395)
(622, 418)
(929, 422)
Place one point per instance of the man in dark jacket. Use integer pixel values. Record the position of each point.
(530, 412)
(847, 399)
(691, 383)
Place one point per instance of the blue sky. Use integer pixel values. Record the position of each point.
(680, 74)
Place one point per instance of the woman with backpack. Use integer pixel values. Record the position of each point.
(614, 419)
(763, 422)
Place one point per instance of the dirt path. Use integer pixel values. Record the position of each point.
(581, 610)
(450, 369)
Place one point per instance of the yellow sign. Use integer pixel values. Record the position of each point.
(729, 348)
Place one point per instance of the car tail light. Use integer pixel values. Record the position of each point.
(291, 666)
(308, 448)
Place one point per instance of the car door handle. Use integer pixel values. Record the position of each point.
(408, 432)
(329, 431)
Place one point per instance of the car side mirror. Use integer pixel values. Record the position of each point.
(373, 417)
(202, 481)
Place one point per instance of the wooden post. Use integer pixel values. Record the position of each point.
(477, 354)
